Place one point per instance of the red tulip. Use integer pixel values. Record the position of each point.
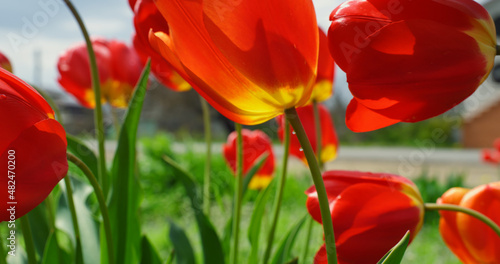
(408, 61)
(255, 144)
(250, 59)
(492, 155)
(329, 141)
(323, 88)
(371, 212)
(119, 70)
(5, 63)
(146, 17)
(471, 240)
(33, 148)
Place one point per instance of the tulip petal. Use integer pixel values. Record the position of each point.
(35, 176)
(223, 84)
(321, 257)
(482, 242)
(372, 218)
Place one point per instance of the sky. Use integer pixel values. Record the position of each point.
(46, 27)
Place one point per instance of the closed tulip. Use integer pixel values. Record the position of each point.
(323, 87)
(146, 17)
(255, 144)
(472, 241)
(408, 61)
(32, 149)
(119, 70)
(329, 141)
(250, 59)
(371, 212)
(5, 63)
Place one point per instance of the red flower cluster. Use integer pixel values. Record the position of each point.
(146, 18)
(255, 144)
(492, 155)
(371, 212)
(471, 240)
(406, 60)
(119, 70)
(33, 148)
(329, 141)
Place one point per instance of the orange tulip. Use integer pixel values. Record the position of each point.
(371, 212)
(146, 17)
(255, 144)
(472, 241)
(329, 141)
(250, 59)
(119, 70)
(32, 149)
(5, 63)
(323, 88)
(408, 61)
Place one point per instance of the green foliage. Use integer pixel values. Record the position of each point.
(431, 189)
(395, 255)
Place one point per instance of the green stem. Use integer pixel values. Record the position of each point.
(310, 223)
(99, 124)
(317, 124)
(3, 253)
(237, 195)
(170, 259)
(49, 205)
(473, 213)
(74, 219)
(100, 199)
(279, 192)
(331, 251)
(116, 120)
(28, 240)
(208, 157)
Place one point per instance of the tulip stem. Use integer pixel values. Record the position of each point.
(3, 254)
(293, 118)
(28, 239)
(473, 213)
(237, 194)
(100, 199)
(279, 192)
(98, 119)
(116, 120)
(310, 223)
(74, 219)
(208, 157)
(317, 124)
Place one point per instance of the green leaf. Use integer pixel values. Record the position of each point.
(148, 253)
(124, 201)
(395, 255)
(40, 227)
(212, 248)
(183, 251)
(81, 151)
(256, 222)
(53, 254)
(256, 167)
(283, 252)
(226, 240)
(89, 227)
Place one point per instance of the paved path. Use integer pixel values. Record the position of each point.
(409, 162)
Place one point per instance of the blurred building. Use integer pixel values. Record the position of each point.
(481, 124)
